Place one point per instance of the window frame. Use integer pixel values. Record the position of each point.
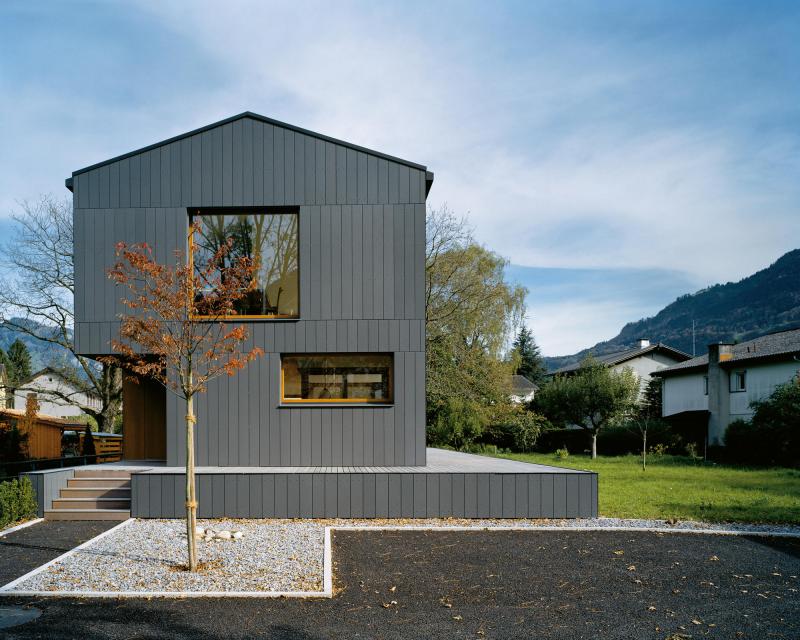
(737, 375)
(346, 402)
(249, 210)
(705, 385)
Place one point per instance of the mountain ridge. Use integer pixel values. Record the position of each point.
(764, 302)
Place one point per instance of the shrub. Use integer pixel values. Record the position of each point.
(771, 437)
(13, 443)
(612, 441)
(519, 432)
(562, 454)
(457, 425)
(17, 501)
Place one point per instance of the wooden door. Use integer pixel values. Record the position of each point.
(144, 420)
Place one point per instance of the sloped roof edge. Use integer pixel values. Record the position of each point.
(260, 118)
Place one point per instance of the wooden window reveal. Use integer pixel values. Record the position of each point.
(271, 240)
(337, 378)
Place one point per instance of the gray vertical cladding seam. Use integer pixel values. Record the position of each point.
(361, 228)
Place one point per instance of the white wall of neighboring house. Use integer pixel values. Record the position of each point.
(643, 366)
(523, 399)
(43, 385)
(760, 382)
(684, 393)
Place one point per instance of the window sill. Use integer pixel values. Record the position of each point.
(335, 405)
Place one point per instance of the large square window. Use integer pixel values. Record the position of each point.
(270, 240)
(334, 378)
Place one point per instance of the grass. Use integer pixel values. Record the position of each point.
(685, 489)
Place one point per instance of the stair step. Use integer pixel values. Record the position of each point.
(98, 482)
(87, 514)
(102, 473)
(96, 492)
(92, 503)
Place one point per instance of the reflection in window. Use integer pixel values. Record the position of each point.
(347, 377)
(270, 240)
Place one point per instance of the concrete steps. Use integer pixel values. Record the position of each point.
(94, 494)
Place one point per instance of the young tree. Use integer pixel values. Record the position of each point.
(37, 291)
(531, 364)
(176, 331)
(647, 413)
(592, 398)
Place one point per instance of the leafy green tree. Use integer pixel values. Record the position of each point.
(20, 359)
(529, 357)
(470, 313)
(594, 397)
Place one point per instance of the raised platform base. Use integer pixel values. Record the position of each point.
(451, 485)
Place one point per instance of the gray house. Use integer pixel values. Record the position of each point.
(331, 422)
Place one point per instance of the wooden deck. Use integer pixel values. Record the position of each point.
(451, 484)
(438, 461)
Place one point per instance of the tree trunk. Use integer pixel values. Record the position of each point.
(191, 498)
(594, 444)
(644, 450)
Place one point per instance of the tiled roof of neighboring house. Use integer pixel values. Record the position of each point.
(521, 386)
(618, 357)
(769, 347)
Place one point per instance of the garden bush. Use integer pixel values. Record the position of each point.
(612, 441)
(772, 436)
(17, 501)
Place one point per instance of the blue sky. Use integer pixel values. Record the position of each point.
(618, 154)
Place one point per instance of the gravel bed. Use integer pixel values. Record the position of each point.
(150, 555)
(273, 555)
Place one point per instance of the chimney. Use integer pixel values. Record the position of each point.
(719, 411)
(642, 343)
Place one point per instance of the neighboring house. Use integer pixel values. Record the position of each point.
(57, 396)
(717, 388)
(522, 390)
(644, 360)
(331, 421)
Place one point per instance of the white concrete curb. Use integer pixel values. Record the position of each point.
(327, 562)
(5, 532)
(8, 587)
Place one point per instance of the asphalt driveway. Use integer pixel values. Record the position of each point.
(488, 585)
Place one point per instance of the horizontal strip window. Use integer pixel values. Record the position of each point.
(333, 378)
(270, 240)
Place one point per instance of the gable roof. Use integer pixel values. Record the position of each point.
(521, 386)
(618, 357)
(50, 371)
(781, 345)
(254, 116)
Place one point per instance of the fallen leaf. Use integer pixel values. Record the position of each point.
(651, 608)
(619, 553)
(714, 559)
(392, 589)
(632, 567)
(696, 621)
(457, 618)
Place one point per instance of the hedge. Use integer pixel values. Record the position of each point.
(17, 501)
(614, 441)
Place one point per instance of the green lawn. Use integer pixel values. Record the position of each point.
(678, 487)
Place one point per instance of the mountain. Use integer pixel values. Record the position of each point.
(766, 301)
(42, 353)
